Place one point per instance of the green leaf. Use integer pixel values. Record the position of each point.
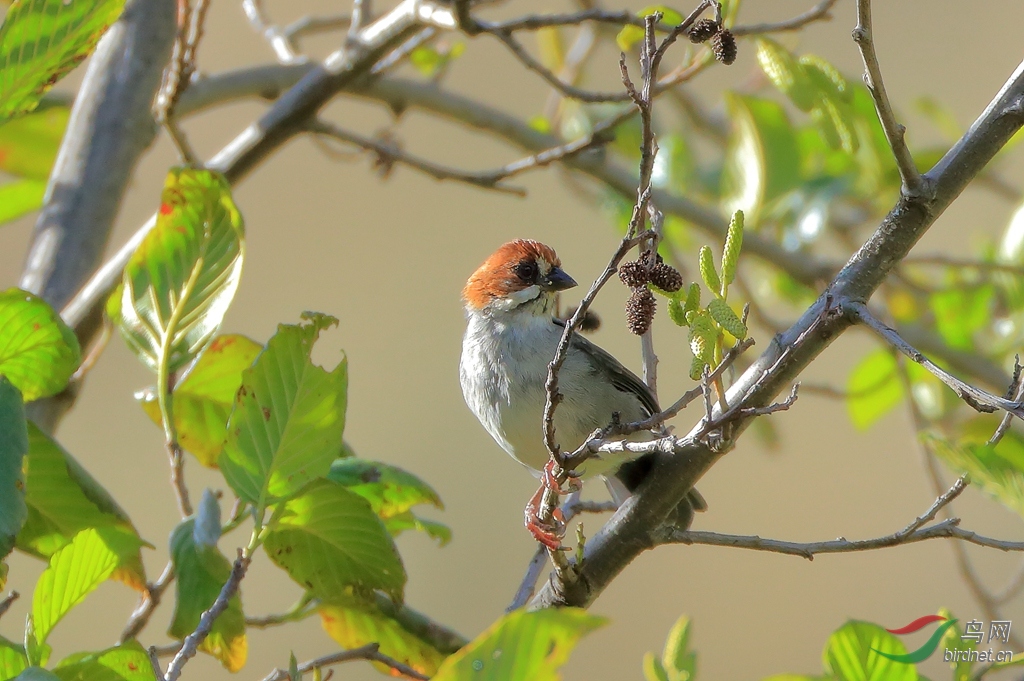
(41, 41)
(397, 524)
(29, 144)
(203, 400)
(952, 640)
(127, 662)
(999, 470)
(287, 423)
(762, 158)
(521, 646)
(786, 73)
(355, 622)
(20, 197)
(38, 352)
(182, 277)
(13, 446)
(74, 572)
(12, 659)
(678, 656)
(389, 489)
(960, 312)
(201, 571)
(873, 388)
(631, 35)
(63, 499)
(850, 654)
(329, 539)
(35, 673)
(827, 78)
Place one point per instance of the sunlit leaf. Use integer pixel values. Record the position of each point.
(41, 40)
(329, 540)
(521, 646)
(12, 659)
(355, 622)
(127, 662)
(29, 144)
(203, 400)
(13, 446)
(952, 640)
(873, 388)
(74, 572)
(827, 78)
(397, 524)
(677, 656)
(850, 654)
(389, 489)
(287, 424)
(20, 198)
(63, 499)
(998, 470)
(962, 311)
(38, 352)
(786, 73)
(182, 277)
(653, 668)
(201, 571)
(762, 160)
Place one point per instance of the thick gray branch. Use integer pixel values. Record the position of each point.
(637, 526)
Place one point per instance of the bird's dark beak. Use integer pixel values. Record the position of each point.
(557, 280)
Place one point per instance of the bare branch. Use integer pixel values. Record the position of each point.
(976, 398)
(821, 11)
(280, 41)
(8, 601)
(370, 652)
(390, 154)
(894, 132)
(190, 645)
(150, 600)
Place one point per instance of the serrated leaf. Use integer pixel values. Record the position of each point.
(873, 388)
(178, 284)
(63, 499)
(126, 662)
(355, 622)
(708, 273)
(74, 572)
(203, 400)
(38, 352)
(13, 446)
(521, 646)
(288, 419)
(850, 654)
(762, 158)
(41, 41)
(389, 489)
(727, 318)
(29, 144)
(12, 659)
(786, 73)
(201, 571)
(329, 540)
(20, 197)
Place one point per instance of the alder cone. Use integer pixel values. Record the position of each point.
(634, 274)
(640, 310)
(723, 44)
(703, 30)
(666, 277)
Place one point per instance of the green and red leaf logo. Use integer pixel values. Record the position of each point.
(925, 651)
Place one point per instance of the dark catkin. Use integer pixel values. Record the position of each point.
(723, 44)
(703, 30)
(640, 310)
(634, 274)
(666, 277)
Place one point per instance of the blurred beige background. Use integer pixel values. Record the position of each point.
(389, 259)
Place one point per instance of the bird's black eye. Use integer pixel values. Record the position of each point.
(526, 270)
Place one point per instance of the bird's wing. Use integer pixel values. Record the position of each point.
(622, 378)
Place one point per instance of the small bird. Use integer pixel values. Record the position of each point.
(511, 337)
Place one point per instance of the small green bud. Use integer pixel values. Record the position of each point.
(697, 368)
(707, 270)
(726, 318)
(692, 299)
(676, 312)
(733, 244)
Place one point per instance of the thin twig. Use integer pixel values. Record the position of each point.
(302, 609)
(177, 461)
(280, 41)
(894, 132)
(154, 662)
(150, 600)
(370, 652)
(821, 11)
(976, 398)
(390, 153)
(1016, 393)
(190, 645)
(8, 601)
